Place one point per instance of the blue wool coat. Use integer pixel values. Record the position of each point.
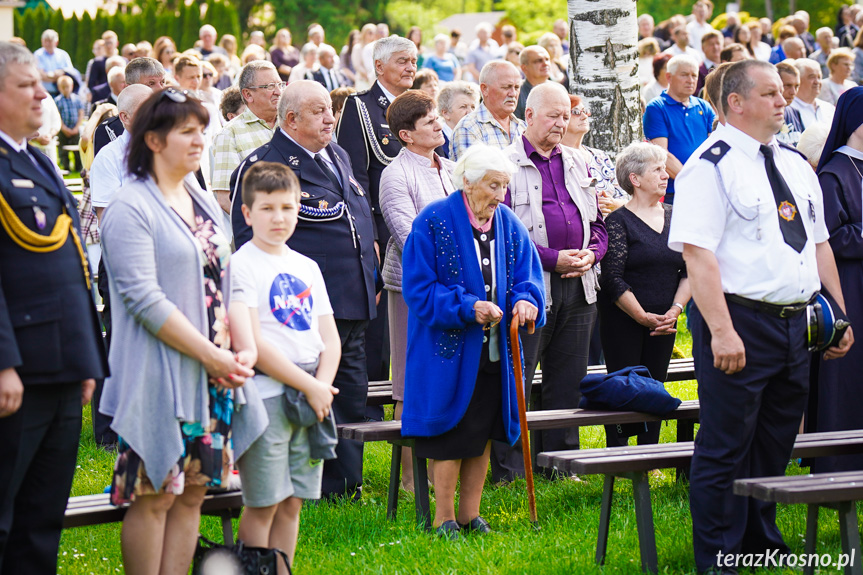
(441, 282)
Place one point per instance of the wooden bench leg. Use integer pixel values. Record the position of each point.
(850, 536)
(395, 478)
(644, 522)
(421, 492)
(604, 519)
(227, 527)
(811, 535)
(685, 432)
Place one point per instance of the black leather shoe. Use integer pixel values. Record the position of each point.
(449, 530)
(476, 525)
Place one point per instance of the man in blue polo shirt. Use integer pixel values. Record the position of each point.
(677, 120)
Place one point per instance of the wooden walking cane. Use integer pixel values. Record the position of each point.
(522, 413)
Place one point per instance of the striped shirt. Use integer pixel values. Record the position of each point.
(238, 138)
(480, 126)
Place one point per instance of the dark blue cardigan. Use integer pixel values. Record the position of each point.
(441, 282)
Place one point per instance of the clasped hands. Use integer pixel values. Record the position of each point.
(665, 324)
(574, 263)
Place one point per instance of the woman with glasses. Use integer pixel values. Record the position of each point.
(599, 166)
(164, 51)
(171, 393)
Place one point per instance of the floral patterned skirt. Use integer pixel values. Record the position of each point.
(207, 457)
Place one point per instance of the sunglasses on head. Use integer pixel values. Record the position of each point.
(173, 95)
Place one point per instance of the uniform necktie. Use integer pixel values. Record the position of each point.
(790, 221)
(328, 172)
(328, 79)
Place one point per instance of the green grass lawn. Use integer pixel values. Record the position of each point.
(357, 538)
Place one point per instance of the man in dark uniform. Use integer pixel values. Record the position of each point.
(50, 341)
(146, 71)
(749, 220)
(366, 137)
(336, 230)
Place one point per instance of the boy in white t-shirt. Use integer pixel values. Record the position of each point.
(279, 296)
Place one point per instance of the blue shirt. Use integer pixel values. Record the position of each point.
(686, 127)
(69, 107)
(59, 60)
(444, 67)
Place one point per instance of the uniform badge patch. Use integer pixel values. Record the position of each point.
(385, 141)
(305, 194)
(787, 211)
(323, 204)
(294, 161)
(383, 101)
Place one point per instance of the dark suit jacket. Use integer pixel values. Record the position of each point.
(97, 73)
(49, 330)
(100, 92)
(107, 132)
(702, 74)
(348, 268)
(318, 76)
(367, 167)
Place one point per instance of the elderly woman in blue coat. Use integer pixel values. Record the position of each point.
(469, 267)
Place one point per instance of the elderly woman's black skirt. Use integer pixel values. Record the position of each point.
(482, 421)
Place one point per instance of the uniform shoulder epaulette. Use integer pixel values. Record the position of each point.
(257, 156)
(793, 149)
(360, 93)
(715, 152)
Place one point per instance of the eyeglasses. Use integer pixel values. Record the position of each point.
(580, 111)
(271, 86)
(208, 75)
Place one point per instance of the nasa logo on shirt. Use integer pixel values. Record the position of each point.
(291, 302)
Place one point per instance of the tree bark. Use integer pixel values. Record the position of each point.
(603, 70)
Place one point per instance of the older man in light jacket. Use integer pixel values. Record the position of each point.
(553, 195)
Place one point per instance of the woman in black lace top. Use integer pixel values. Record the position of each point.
(644, 285)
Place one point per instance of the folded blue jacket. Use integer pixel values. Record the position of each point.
(630, 389)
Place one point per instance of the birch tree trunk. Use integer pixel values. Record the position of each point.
(603, 70)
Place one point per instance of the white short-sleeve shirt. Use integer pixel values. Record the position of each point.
(289, 295)
(740, 225)
(108, 172)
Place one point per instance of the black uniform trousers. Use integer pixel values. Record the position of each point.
(344, 475)
(627, 343)
(561, 349)
(378, 331)
(102, 432)
(749, 422)
(38, 450)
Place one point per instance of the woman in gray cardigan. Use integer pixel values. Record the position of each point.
(416, 178)
(171, 388)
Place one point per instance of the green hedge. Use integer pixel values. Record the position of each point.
(78, 34)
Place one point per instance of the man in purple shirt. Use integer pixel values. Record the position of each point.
(553, 195)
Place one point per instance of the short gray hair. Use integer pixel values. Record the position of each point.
(644, 17)
(451, 90)
(386, 47)
(812, 141)
(326, 49)
(249, 71)
(144, 67)
(635, 159)
(308, 48)
(50, 34)
(738, 79)
(681, 60)
(540, 95)
(804, 64)
(492, 68)
(115, 72)
(293, 96)
(484, 26)
(13, 54)
(477, 161)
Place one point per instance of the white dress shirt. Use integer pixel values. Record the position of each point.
(108, 172)
(820, 111)
(740, 225)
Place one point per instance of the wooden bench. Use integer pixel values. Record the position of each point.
(381, 392)
(686, 416)
(634, 462)
(839, 491)
(87, 510)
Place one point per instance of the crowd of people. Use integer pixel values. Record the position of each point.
(270, 230)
